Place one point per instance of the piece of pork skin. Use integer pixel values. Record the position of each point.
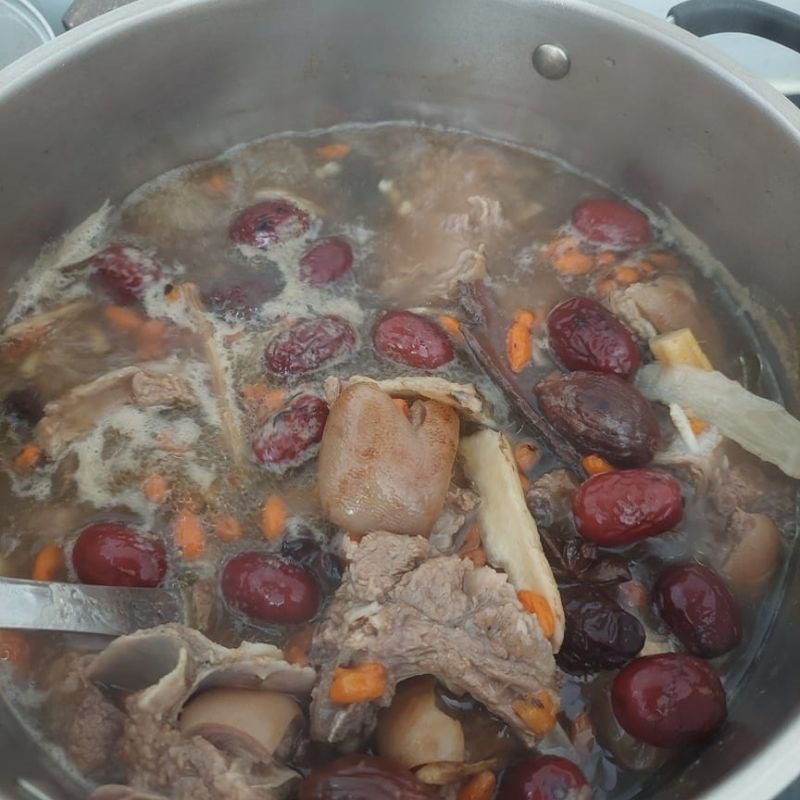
(423, 615)
(162, 668)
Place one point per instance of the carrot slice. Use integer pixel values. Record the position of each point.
(536, 604)
(273, 517)
(335, 151)
(297, 648)
(519, 346)
(595, 465)
(227, 528)
(358, 684)
(478, 787)
(29, 457)
(538, 715)
(451, 325)
(49, 562)
(573, 262)
(187, 529)
(697, 425)
(526, 456)
(123, 319)
(156, 489)
(627, 275)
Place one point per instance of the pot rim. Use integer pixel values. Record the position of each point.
(775, 765)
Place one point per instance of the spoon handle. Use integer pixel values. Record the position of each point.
(77, 608)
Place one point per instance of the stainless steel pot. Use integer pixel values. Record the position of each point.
(646, 108)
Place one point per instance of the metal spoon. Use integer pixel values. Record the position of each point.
(76, 608)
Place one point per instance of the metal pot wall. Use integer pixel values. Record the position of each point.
(645, 108)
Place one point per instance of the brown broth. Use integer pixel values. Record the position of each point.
(391, 185)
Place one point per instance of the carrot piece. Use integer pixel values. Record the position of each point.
(227, 528)
(187, 528)
(478, 787)
(335, 151)
(14, 650)
(662, 259)
(524, 481)
(595, 465)
(697, 425)
(257, 395)
(218, 182)
(48, 563)
(573, 262)
(538, 714)
(451, 325)
(606, 259)
(29, 457)
(536, 604)
(123, 319)
(525, 317)
(156, 488)
(519, 346)
(526, 456)
(358, 684)
(151, 339)
(626, 275)
(273, 517)
(296, 650)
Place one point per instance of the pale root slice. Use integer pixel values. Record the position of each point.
(680, 348)
(221, 380)
(762, 427)
(463, 397)
(78, 411)
(508, 531)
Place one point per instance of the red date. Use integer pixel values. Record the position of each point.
(309, 345)
(116, 554)
(601, 414)
(543, 778)
(619, 508)
(359, 777)
(123, 273)
(584, 335)
(268, 588)
(599, 634)
(288, 438)
(412, 339)
(699, 608)
(326, 262)
(669, 700)
(269, 223)
(611, 222)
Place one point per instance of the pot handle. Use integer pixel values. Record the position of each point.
(704, 17)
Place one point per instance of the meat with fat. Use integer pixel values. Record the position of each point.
(421, 615)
